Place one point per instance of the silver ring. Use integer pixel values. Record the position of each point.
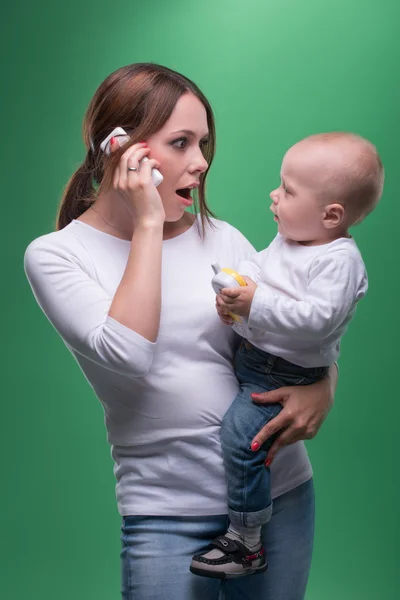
(133, 169)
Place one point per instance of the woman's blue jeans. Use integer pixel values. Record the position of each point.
(156, 554)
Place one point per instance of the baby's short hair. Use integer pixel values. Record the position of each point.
(357, 183)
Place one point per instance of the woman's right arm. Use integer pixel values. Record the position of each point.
(117, 332)
(137, 301)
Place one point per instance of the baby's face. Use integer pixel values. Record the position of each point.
(298, 202)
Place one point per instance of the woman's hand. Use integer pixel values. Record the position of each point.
(304, 410)
(135, 188)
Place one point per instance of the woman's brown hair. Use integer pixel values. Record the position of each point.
(139, 98)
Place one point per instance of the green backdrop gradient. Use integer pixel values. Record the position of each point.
(274, 71)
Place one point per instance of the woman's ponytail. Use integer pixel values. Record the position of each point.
(78, 194)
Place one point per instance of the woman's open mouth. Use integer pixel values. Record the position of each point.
(185, 195)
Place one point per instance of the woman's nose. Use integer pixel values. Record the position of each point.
(199, 163)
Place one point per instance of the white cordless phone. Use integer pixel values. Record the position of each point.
(123, 137)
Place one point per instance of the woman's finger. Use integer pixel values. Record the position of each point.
(114, 146)
(280, 395)
(131, 158)
(146, 168)
(133, 149)
(278, 423)
(287, 437)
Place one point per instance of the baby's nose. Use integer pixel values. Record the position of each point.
(274, 196)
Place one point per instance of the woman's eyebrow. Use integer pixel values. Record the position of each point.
(188, 132)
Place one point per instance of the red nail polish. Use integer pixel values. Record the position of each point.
(255, 395)
(268, 462)
(112, 141)
(255, 446)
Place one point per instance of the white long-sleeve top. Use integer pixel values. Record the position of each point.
(163, 402)
(305, 298)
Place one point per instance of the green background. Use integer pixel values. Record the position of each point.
(274, 71)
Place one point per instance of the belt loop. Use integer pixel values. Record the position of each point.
(270, 363)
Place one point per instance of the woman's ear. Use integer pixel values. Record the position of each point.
(333, 216)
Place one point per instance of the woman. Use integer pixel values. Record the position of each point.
(125, 280)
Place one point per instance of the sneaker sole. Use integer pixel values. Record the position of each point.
(222, 575)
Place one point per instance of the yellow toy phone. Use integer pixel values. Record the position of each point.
(226, 278)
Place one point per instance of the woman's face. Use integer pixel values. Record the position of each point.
(178, 149)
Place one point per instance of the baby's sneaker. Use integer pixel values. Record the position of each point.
(227, 557)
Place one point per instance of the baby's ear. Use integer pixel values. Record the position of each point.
(333, 216)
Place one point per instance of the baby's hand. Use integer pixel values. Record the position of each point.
(222, 312)
(238, 300)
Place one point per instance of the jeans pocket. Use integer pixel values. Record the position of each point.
(297, 377)
(286, 380)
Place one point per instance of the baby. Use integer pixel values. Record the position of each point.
(300, 295)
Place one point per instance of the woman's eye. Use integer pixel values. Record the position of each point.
(181, 143)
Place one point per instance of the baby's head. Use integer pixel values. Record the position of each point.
(329, 182)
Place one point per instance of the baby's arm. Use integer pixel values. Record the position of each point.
(250, 268)
(336, 282)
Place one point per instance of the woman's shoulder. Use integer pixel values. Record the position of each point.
(221, 224)
(229, 245)
(54, 238)
(65, 239)
(55, 247)
(224, 228)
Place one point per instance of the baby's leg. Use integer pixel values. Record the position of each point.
(249, 490)
(240, 551)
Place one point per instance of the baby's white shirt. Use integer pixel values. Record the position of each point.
(305, 298)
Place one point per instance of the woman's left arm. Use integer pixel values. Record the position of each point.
(305, 408)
